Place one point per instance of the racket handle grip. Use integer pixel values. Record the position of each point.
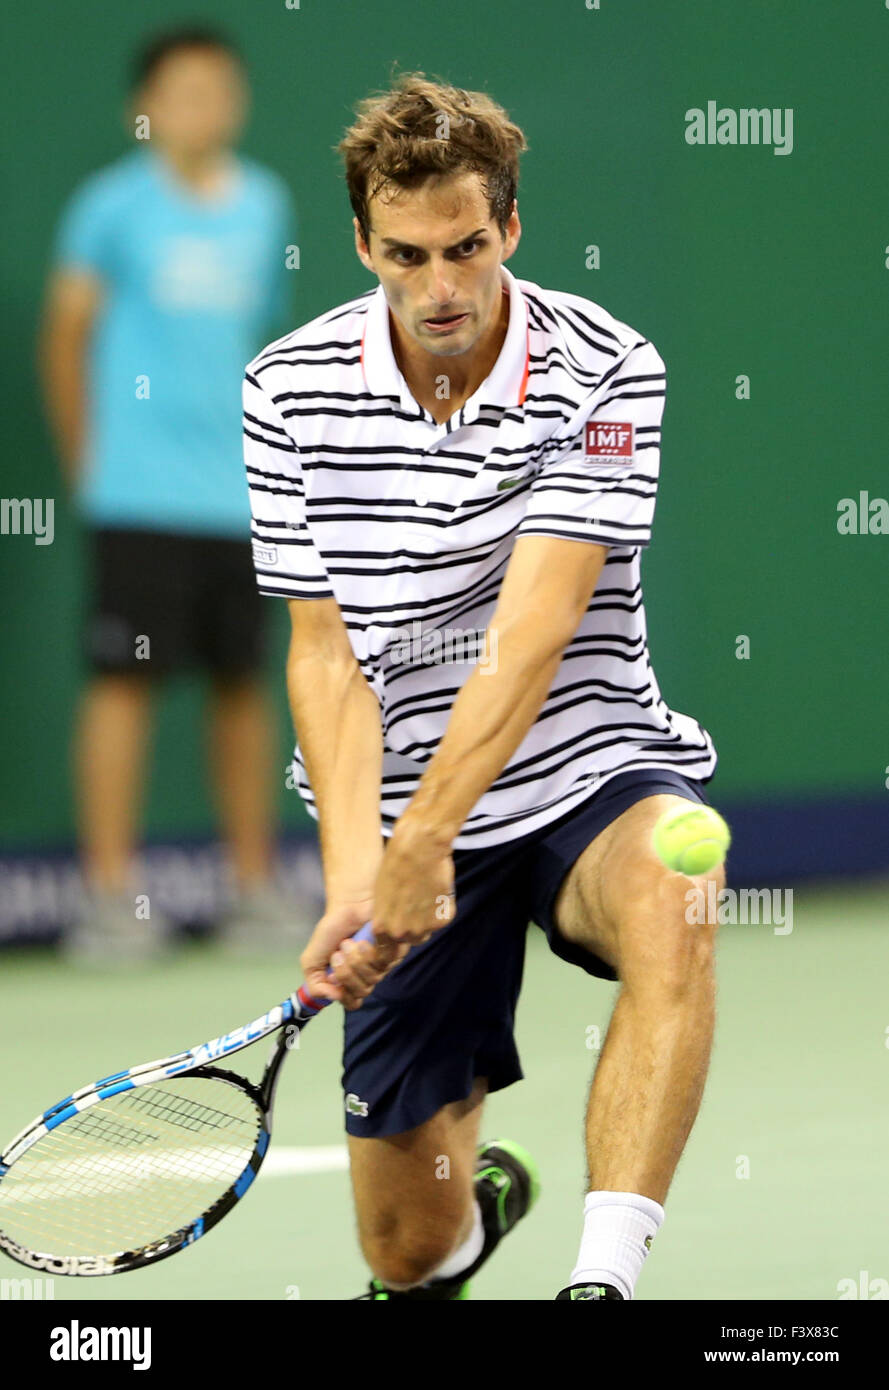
(364, 933)
(310, 1001)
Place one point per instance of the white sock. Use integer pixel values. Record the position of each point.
(465, 1254)
(618, 1228)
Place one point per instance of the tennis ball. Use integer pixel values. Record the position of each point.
(691, 842)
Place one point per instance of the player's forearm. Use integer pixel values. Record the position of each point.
(490, 717)
(337, 719)
(63, 373)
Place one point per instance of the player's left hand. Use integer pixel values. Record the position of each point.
(414, 891)
(357, 965)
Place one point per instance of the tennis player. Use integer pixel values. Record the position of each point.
(453, 477)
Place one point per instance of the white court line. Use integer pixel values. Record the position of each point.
(283, 1162)
(120, 1171)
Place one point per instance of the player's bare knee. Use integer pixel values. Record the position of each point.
(665, 937)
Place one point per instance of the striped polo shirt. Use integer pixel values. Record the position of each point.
(357, 493)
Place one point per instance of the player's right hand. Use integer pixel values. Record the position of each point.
(357, 966)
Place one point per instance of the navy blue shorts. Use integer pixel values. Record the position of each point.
(446, 1014)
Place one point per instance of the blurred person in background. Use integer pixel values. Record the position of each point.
(169, 271)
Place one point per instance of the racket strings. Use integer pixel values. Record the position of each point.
(105, 1129)
(131, 1169)
(178, 1110)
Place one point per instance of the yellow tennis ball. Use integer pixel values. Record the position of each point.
(693, 841)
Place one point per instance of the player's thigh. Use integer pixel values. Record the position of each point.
(618, 899)
(419, 1179)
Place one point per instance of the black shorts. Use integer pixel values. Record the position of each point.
(163, 602)
(446, 1014)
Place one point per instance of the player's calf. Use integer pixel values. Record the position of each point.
(505, 1187)
(404, 1254)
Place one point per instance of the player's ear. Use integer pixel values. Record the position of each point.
(513, 232)
(362, 250)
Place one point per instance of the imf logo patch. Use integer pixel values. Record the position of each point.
(608, 439)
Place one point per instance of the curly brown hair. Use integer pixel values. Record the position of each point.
(420, 128)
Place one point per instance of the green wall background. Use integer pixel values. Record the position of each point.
(732, 260)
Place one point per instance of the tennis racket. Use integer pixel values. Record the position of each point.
(141, 1164)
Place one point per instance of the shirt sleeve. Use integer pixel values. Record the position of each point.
(285, 558)
(601, 485)
(87, 232)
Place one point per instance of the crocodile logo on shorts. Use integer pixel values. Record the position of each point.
(355, 1105)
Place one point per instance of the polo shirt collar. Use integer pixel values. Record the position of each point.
(504, 386)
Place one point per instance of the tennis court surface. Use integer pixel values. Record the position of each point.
(780, 1194)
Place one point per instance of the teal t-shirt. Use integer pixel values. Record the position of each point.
(193, 288)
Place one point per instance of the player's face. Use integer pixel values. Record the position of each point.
(195, 101)
(438, 256)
